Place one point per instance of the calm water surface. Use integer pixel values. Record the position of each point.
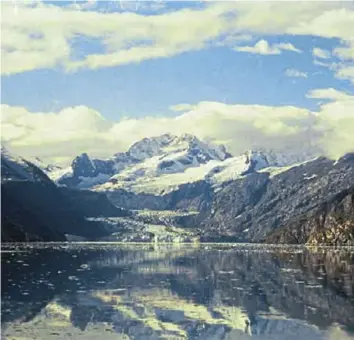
(204, 292)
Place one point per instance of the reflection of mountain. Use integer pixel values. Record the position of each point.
(166, 293)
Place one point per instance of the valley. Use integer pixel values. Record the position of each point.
(180, 189)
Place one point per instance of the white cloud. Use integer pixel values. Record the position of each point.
(329, 93)
(345, 52)
(321, 53)
(40, 36)
(345, 72)
(336, 122)
(291, 72)
(63, 135)
(345, 69)
(330, 66)
(127, 37)
(263, 47)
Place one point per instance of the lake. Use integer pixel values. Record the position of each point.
(207, 291)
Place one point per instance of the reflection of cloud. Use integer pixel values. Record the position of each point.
(130, 304)
(53, 322)
(174, 308)
(337, 333)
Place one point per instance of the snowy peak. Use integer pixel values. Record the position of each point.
(83, 166)
(149, 157)
(280, 158)
(165, 162)
(203, 151)
(258, 158)
(168, 154)
(15, 168)
(167, 144)
(163, 174)
(149, 147)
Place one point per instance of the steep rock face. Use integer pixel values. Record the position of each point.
(82, 167)
(250, 208)
(235, 199)
(33, 208)
(332, 223)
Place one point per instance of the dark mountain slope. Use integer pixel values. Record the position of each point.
(251, 208)
(92, 204)
(33, 208)
(50, 207)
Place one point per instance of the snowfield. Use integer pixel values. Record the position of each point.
(159, 165)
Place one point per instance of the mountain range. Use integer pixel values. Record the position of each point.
(188, 189)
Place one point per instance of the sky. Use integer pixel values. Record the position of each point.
(96, 76)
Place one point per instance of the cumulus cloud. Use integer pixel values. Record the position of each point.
(40, 35)
(336, 123)
(263, 47)
(291, 72)
(61, 136)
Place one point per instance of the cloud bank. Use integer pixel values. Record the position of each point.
(58, 137)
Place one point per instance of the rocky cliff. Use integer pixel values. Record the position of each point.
(331, 223)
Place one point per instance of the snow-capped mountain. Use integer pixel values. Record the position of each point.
(160, 164)
(150, 157)
(16, 168)
(186, 145)
(247, 197)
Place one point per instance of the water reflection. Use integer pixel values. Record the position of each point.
(206, 292)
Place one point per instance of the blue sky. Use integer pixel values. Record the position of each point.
(135, 60)
(152, 86)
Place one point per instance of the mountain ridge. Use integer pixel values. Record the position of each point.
(163, 163)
